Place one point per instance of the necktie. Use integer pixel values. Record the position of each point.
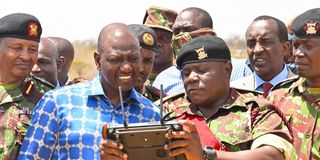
(266, 87)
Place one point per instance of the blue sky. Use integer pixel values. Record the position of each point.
(83, 19)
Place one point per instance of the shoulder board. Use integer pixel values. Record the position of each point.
(247, 91)
(42, 81)
(154, 90)
(33, 88)
(286, 83)
(170, 97)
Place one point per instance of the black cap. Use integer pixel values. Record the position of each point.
(20, 25)
(203, 48)
(147, 37)
(307, 24)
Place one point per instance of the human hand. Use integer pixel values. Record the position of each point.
(186, 142)
(109, 149)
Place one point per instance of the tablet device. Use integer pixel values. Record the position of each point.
(145, 141)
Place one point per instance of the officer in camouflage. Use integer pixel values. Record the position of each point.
(19, 39)
(299, 97)
(161, 21)
(247, 126)
(148, 47)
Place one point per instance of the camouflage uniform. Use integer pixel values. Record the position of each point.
(239, 122)
(16, 105)
(302, 109)
(160, 18)
(152, 93)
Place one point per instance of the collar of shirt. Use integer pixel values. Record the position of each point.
(235, 99)
(58, 84)
(301, 87)
(280, 77)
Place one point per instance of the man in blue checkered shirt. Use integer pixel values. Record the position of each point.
(67, 122)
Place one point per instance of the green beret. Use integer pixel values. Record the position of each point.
(203, 48)
(307, 24)
(20, 25)
(146, 36)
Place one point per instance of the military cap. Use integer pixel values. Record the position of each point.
(20, 25)
(158, 17)
(307, 24)
(147, 37)
(203, 48)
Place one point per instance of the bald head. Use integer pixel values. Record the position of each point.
(46, 66)
(48, 47)
(64, 47)
(117, 59)
(66, 56)
(116, 33)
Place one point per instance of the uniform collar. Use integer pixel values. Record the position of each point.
(235, 99)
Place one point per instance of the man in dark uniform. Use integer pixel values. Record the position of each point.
(19, 39)
(148, 47)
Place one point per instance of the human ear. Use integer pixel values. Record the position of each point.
(227, 69)
(97, 58)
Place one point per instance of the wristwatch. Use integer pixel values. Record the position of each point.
(209, 153)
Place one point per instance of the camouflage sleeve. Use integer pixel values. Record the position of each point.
(281, 144)
(40, 140)
(268, 120)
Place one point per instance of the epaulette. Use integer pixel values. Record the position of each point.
(48, 84)
(30, 91)
(170, 97)
(155, 91)
(247, 91)
(286, 82)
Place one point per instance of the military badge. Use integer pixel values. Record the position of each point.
(148, 39)
(201, 53)
(33, 30)
(311, 28)
(27, 87)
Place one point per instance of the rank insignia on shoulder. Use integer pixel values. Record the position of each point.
(27, 87)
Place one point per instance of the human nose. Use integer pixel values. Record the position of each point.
(193, 77)
(258, 48)
(35, 69)
(25, 55)
(297, 53)
(126, 67)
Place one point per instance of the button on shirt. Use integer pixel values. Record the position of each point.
(68, 121)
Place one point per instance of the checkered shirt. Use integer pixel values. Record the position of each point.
(67, 121)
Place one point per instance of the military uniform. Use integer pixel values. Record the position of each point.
(16, 105)
(18, 100)
(237, 123)
(244, 121)
(151, 93)
(294, 97)
(159, 18)
(302, 109)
